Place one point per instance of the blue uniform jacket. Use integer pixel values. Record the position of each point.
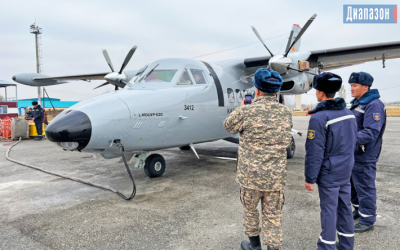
(38, 114)
(371, 121)
(331, 139)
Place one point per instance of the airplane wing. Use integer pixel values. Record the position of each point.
(331, 59)
(348, 56)
(95, 76)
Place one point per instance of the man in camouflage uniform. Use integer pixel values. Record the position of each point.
(265, 133)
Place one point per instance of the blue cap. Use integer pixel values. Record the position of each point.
(268, 81)
(34, 103)
(327, 82)
(362, 78)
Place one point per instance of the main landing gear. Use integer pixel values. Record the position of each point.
(153, 165)
(187, 147)
(291, 149)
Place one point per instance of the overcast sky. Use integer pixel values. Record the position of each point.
(74, 32)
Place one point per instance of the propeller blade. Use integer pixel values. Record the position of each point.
(261, 40)
(127, 58)
(108, 60)
(104, 84)
(301, 33)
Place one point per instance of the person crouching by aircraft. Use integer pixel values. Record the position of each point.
(371, 120)
(265, 134)
(38, 116)
(28, 113)
(330, 144)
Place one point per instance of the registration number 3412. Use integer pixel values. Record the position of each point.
(189, 107)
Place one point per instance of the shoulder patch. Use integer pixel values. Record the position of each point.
(377, 116)
(311, 134)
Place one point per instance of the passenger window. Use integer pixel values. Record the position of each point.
(239, 96)
(198, 76)
(185, 79)
(231, 96)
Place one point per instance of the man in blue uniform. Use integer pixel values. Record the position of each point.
(330, 144)
(371, 121)
(38, 116)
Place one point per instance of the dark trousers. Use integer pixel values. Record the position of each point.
(336, 217)
(363, 191)
(39, 128)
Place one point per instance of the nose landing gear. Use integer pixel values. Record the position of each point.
(153, 165)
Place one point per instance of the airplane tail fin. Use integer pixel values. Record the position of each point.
(293, 34)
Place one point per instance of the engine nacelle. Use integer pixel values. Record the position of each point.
(299, 84)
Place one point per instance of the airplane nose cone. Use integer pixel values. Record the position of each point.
(70, 130)
(14, 78)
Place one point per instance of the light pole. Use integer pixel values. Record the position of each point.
(37, 31)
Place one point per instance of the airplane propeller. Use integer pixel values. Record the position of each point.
(308, 23)
(117, 78)
(282, 63)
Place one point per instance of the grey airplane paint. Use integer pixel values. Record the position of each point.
(180, 102)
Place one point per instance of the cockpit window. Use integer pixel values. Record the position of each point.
(160, 76)
(185, 79)
(198, 76)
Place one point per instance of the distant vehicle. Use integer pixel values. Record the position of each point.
(177, 102)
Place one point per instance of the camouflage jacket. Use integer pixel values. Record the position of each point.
(265, 133)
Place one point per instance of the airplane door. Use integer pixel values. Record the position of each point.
(193, 117)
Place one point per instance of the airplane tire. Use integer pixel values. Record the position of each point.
(291, 149)
(185, 147)
(155, 166)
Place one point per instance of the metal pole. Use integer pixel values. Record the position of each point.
(37, 65)
(49, 98)
(6, 93)
(44, 99)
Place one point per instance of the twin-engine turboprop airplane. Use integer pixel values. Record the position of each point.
(178, 102)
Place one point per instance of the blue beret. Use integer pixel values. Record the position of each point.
(327, 82)
(362, 78)
(268, 81)
(34, 103)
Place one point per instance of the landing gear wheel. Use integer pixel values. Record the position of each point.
(185, 147)
(291, 149)
(155, 166)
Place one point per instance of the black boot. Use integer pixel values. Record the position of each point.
(360, 228)
(245, 245)
(355, 215)
(272, 248)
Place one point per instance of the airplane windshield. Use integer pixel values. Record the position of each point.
(160, 76)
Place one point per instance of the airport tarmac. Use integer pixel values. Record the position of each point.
(194, 205)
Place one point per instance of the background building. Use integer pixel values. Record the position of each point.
(57, 103)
